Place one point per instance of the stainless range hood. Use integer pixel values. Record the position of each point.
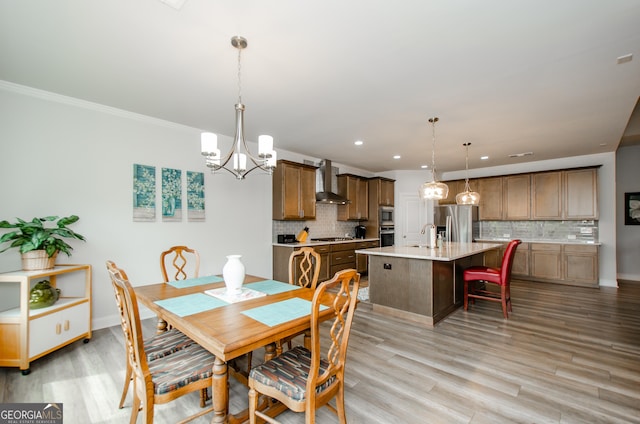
(326, 190)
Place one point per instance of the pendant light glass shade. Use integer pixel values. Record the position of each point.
(467, 197)
(433, 190)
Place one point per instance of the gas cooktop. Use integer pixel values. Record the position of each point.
(332, 239)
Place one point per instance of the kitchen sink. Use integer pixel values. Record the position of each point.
(332, 239)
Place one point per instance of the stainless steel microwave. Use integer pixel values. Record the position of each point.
(386, 215)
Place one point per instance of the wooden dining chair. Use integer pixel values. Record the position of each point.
(304, 270)
(303, 380)
(155, 347)
(166, 378)
(178, 263)
(475, 275)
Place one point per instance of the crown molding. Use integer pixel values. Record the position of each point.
(96, 107)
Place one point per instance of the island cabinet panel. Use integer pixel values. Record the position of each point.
(581, 194)
(402, 284)
(546, 261)
(294, 191)
(516, 202)
(490, 207)
(546, 195)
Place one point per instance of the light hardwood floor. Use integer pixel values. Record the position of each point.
(567, 355)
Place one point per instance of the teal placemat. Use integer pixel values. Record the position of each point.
(271, 286)
(280, 312)
(190, 304)
(190, 282)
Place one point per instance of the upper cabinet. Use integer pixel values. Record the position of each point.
(563, 195)
(581, 194)
(356, 190)
(294, 191)
(455, 187)
(570, 194)
(381, 191)
(490, 207)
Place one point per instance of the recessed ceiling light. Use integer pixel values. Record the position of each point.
(624, 59)
(520, 155)
(424, 166)
(484, 157)
(358, 142)
(176, 4)
(396, 157)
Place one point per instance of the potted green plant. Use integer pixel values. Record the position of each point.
(38, 243)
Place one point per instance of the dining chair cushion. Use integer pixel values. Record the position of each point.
(162, 344)
(185, 366)
(288, 373)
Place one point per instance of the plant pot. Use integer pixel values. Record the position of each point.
(37, 259)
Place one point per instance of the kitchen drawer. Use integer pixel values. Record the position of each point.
(55, 329)
(338, 247)
(345, 257)
(324, 248)
(367, 244)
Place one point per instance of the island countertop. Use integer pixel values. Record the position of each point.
(448, 252)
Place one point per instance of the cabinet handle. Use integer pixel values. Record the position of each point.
(58, 328)
(66, 325)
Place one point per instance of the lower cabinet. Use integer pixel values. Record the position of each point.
(53, 330)
(334, 257)
(571, 264)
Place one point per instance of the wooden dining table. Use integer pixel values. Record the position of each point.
(229, 331)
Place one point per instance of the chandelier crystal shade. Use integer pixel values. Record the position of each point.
(433, 190)
(467, 197)
(235, 161)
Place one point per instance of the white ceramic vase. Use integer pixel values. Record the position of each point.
(233, 274)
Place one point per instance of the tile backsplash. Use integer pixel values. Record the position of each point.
(326, 224)
(541, 230)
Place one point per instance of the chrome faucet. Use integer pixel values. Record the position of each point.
(424, 228)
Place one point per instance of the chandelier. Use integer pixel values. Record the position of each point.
(235, 161)
(467, 197)
(434, 190)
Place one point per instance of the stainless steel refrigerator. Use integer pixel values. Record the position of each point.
(458, 222)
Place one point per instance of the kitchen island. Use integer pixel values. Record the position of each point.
(419, 283)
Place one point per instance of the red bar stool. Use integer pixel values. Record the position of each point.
(500, 276)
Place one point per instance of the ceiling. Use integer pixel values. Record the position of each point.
(509, 77)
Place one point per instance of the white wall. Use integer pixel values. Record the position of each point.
(409, 181)
(62, 156)
(628, 181)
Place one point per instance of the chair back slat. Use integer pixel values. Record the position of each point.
(346, 284)
(183, 262)
(307, 262)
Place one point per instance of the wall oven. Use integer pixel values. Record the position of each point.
(386, 216)
(387, 235)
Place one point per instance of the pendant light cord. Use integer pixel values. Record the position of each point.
(433, 147)
(239, 76)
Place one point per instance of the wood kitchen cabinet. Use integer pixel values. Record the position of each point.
(28, 334)
(567, 194)
(580, 265)
(581, 193)
(342, 256)
(294, 191)
(490, 207)
(504, 198)
(520, 267)
(381, 192)
(356, 190)
(362, 264)
(455, 187)
(546, 261)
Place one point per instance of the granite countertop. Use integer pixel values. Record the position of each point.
(525, 240)
(309, 242)
(449, 252)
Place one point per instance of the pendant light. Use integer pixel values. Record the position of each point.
(434, 190)
(467, 197)
(239, 152)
